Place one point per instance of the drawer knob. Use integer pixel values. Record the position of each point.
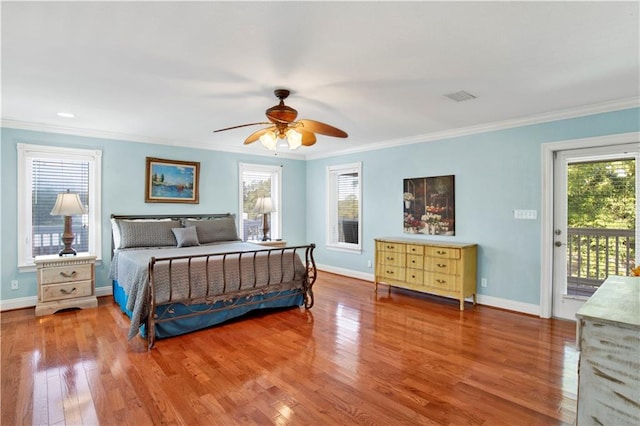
(413, 261)
(441, 281)
(441, 265)
(441, 252)
(389, 272)
(71, 275)
(63, 291)
(389, 258)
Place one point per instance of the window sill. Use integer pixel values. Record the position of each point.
(348, 248)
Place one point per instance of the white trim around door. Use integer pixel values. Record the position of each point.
(546, 239)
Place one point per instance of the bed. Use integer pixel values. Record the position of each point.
(176, 274)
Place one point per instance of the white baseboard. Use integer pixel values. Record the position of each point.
(496, 302)
(346, 272)
(18, 303)
(510, 305)
(30, 301)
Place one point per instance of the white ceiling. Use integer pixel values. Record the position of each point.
(171, 72)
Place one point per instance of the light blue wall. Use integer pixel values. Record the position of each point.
(495, 173)
(123, 170)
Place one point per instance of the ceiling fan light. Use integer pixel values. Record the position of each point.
(294, 139)
(269, 140)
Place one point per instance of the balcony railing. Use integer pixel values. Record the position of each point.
(47, 239)
(594, 254)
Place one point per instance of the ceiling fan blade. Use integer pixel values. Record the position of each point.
(322, 128)
(256, 135)
(308, 138)
(241, 125)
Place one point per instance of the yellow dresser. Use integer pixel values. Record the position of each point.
(436, 267)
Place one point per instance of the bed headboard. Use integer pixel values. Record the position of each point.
(180, 217)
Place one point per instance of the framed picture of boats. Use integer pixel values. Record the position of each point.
(171, 181)
(429, 205)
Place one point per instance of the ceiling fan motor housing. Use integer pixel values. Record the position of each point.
(281, 115)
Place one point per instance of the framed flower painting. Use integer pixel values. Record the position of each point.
(429, 205)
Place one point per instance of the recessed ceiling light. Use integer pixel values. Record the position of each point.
(65, 114)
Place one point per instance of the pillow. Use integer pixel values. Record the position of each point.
(115, 228)
(214, 230)
(186, 237)
(147, 234)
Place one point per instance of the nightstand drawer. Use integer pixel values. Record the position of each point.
(65, 274)
(75, 289)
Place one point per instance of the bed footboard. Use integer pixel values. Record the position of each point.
(226, 281)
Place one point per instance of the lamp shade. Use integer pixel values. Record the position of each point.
(68, 204)
(294, 138)
(269, 140)
(264, 205)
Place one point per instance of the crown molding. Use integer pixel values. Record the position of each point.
(564, 114)
(615, 105)
(103, 134)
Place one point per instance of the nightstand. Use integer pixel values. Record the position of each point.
(65, 282)
(271, 243)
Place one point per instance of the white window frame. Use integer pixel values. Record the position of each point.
(28, 152)
(332, 237)
(276, 192)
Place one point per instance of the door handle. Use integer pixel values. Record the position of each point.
(558, 244)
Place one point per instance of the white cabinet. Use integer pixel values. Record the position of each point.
(65, 282)
(609, 342)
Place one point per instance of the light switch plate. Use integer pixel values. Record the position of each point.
(525, 214)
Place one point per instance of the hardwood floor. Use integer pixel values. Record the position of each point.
(353, 359)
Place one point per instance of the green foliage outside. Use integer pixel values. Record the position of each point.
(348, 208)
(601, 195)
(251, 191)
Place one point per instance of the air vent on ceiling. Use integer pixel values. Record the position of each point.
(460, 96)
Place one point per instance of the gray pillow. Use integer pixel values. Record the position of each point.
(214, 230)
(186, 237)
(147, 234)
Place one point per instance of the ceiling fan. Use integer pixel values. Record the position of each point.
(283, 125)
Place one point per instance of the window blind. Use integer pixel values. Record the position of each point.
(48, 179)
(348, 185)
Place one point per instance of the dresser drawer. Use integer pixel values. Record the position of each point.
(390, 247)
(71, 290)
(65, 274)
(392, 259)
(415, 249)
(393, 272)
(443, 252)
(415, 276)
(440, 281)
(415, 261)
(442, 266)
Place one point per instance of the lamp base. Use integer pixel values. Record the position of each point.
(265, 228)
(67, 251)
(67, 239)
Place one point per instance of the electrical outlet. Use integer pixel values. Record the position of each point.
(483, 282)
(369, 263)
(14, 284)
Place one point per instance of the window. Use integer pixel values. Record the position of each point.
(344, 203)
(259, 181)
(43, 173)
